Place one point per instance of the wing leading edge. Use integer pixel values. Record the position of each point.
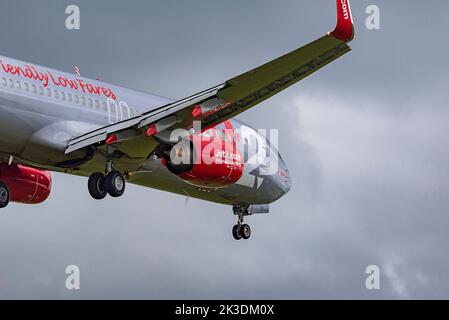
(236, 95)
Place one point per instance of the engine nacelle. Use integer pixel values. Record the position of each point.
(25, 184)
(206, 161)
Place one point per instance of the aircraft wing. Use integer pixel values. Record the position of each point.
(236, 95)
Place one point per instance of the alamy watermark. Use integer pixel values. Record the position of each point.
(72, 281)
(73, 20)
(372, 282)
(372, 22)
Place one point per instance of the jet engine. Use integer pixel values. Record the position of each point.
(205, 161)
(24, 184)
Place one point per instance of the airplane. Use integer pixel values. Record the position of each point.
(53, 121)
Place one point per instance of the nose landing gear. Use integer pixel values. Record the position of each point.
(241, 230)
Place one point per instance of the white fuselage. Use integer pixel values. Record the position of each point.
(41, 109)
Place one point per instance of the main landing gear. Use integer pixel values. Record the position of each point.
(100, 185)
(241, 230)
(4, 195)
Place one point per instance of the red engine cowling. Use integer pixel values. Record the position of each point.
(206, 161)
(25, 184)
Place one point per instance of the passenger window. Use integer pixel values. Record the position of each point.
(18, 84)
(11, 83)
(34, 88)
(48, 92)
(63, 95)
(27, 86)
(4, 82)
(90, 102)
(56, 94)
(83, 101)
(41, 91)
(69, 96)
(77, 100)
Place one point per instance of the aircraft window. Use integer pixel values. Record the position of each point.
(48, 92)
(11, 83)
(83, 101)
(41, 91)
(69, 96)
(34, 88)
(56, 94)
(77, 100)
(105, 106)
(27, 86)
(131, 112)
(4, 82)
(90, 103)
(63, 95)
(97, 104)
(19, 86)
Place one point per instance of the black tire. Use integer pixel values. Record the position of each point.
(4, 195)
(96, 185)
(245, 231)
(115, 184)
(236, 232)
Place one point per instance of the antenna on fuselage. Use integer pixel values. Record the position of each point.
(77, 71)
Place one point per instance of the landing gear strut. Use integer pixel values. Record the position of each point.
(113, 183)
(241, 230)
(4, 195)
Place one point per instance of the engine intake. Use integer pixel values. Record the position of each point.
(25, 184)
(206, 161)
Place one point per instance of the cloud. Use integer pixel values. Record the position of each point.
(399, 286)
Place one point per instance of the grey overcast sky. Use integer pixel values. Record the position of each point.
(366, 140)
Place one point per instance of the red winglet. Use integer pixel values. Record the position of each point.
(344, 30)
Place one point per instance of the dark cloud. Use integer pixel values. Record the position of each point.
(365, 140)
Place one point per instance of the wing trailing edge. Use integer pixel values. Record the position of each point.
(239, 93)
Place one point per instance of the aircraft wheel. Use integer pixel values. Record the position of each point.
(96, 185)
(115, 184)
(245, 231)
(236, 232)
(4, 195)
